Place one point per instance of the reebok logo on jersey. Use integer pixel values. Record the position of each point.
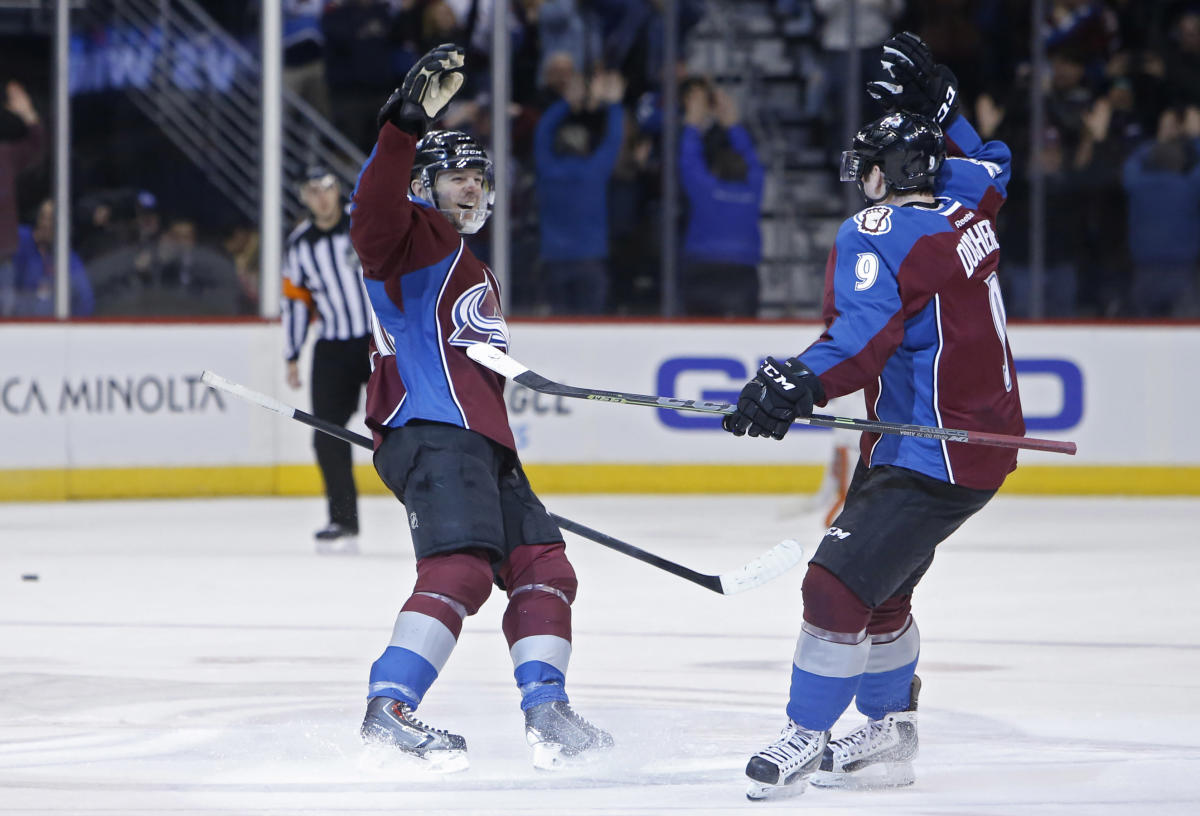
(874, 220)
(959, 223)
(977, 243)
(837, 532)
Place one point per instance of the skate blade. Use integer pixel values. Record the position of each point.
(346, 545)
(761, 792)
(550, 756)
(547, 756)
(379, 755)
(873, 777)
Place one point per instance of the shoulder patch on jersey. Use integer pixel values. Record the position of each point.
(874, 220)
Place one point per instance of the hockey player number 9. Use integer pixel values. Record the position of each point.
(866, 270)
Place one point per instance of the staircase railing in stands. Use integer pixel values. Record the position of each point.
(219, 129)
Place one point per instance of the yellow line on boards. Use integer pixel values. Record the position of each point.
(305, 480)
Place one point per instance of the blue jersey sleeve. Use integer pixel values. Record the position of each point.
(973, 167)
(865, 324)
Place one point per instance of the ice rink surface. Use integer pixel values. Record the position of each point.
(197, 657)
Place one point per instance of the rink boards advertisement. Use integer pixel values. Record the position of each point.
(119, 410)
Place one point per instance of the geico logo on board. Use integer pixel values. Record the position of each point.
(725, 376)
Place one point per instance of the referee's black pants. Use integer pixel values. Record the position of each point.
(340, 368)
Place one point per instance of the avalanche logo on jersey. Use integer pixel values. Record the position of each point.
(874, 220)
(477, 318)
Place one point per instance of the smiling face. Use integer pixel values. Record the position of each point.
(460, 194)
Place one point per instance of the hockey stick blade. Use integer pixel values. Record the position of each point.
(496, 360)
(762, 569)
(771, 564)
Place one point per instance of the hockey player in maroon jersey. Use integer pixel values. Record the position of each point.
(442, 439)
(913, 319)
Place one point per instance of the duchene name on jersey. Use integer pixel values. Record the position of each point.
(978, 241)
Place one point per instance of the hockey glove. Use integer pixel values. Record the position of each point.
(919, 85)
(771, 401)
(427, 89)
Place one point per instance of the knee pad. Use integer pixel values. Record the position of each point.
(890, 616)
(830, 605)
(540, 566)
(463, 577)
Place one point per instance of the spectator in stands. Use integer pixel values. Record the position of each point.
(874, 22)
(175, 276)
(566, 32)
(200, 276)
(22, 141)
(573, 171)
(723, 181)
(1064, 233)
(1086, 28)
(304, 53)
(439, 24)
(633, 32)
(35, 273)
(1070, 96)
(1162, 179)
(1112, 130)
(1183, 60)
(359, 64)
(241, 245)
(147, 220)
(103, 222)
(558, 73)
(951, 28)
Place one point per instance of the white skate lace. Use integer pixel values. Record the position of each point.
(859, 741)
(791, 744)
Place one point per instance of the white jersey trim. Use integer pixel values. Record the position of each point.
(442, 336)
(875, 410)
(937, 408)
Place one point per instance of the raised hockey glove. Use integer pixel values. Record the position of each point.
(771, 401)
(427, 89)
(918, 85)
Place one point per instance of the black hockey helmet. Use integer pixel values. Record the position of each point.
(908, 148)
(441, 150)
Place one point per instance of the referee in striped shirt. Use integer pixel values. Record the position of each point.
(322, 285)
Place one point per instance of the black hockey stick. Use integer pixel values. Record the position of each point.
(495, 359)
(774, 562)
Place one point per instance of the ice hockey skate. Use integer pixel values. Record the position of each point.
(337, 539)
(877, 755)
(560, 737)
(390, 724)
(783, 767)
